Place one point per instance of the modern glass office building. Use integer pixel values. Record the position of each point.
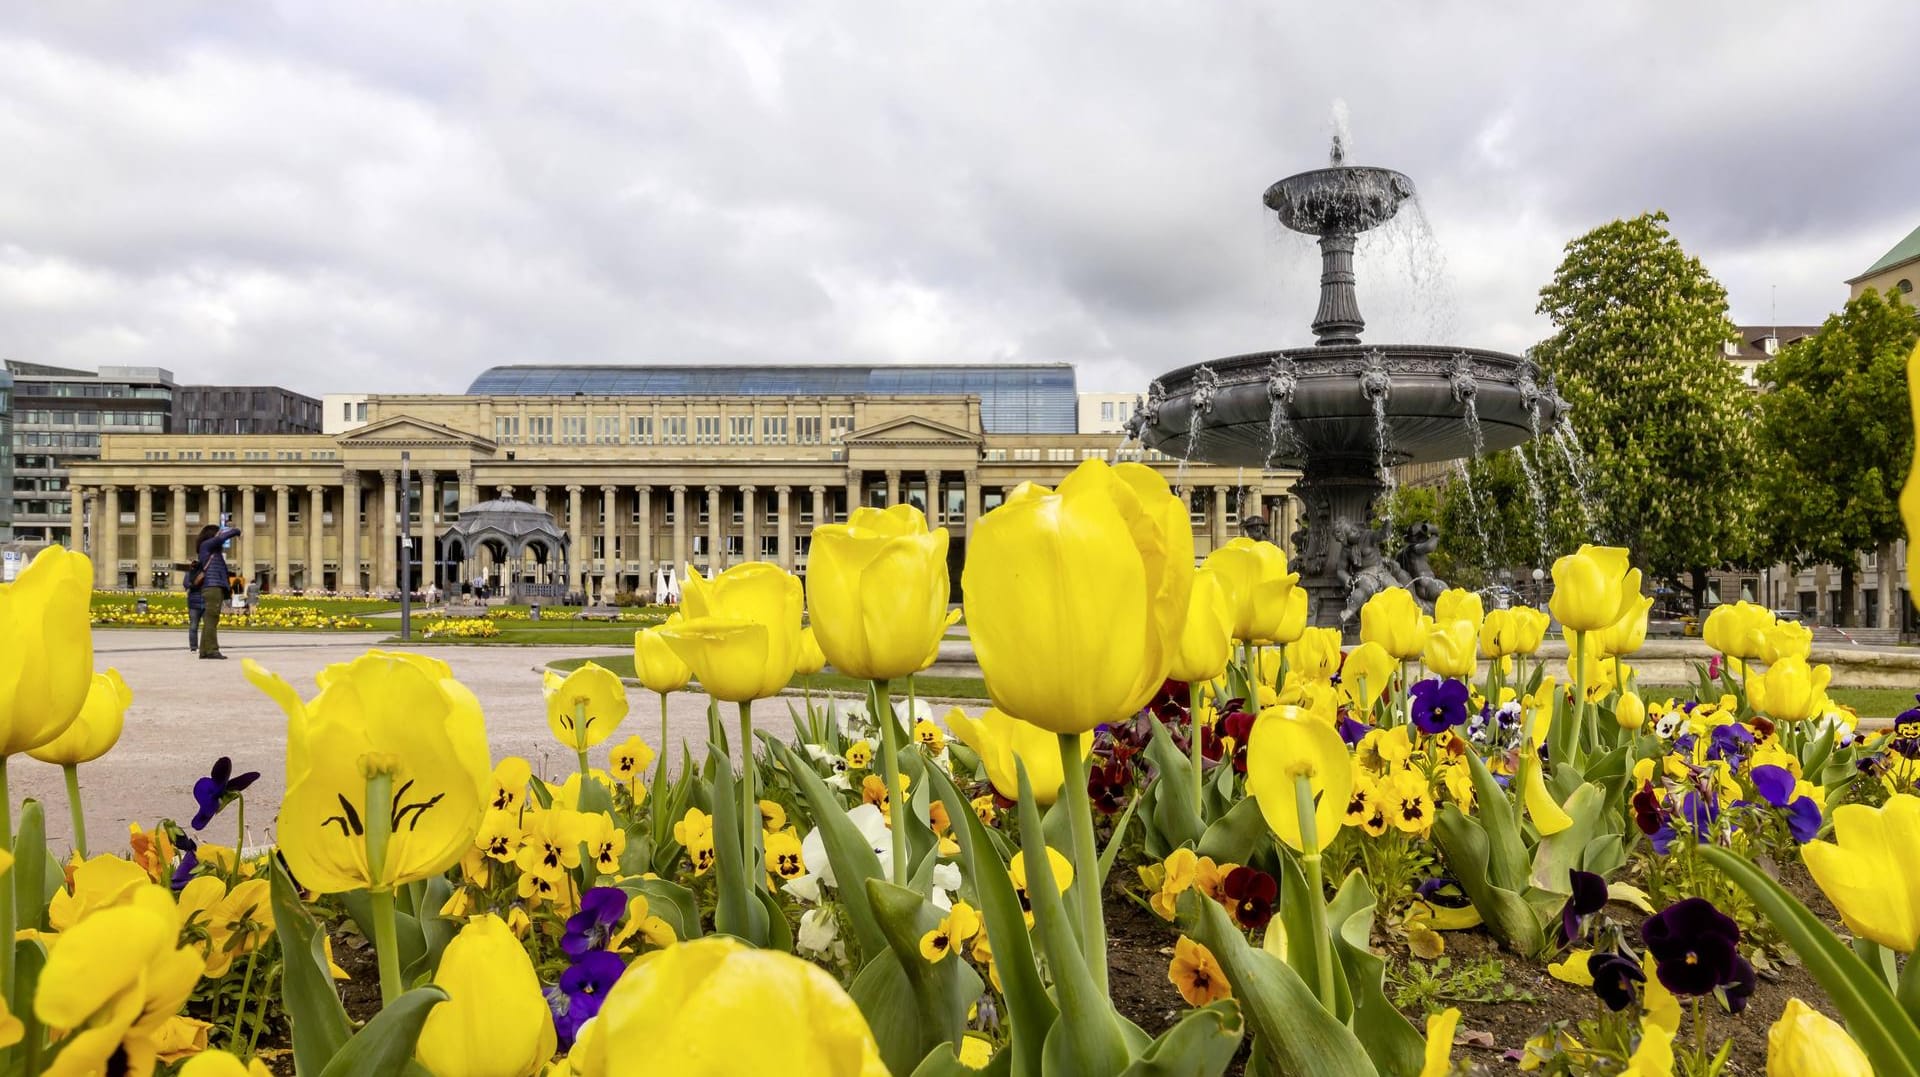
(6, 456)
(1024, 398)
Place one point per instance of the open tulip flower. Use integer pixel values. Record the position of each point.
(877, 590)
(1001, 740)
(584, 707)
(1871, 870)
(1258, 588)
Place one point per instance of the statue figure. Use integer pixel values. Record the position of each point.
(1422, 539)
(1255, 528)
(1361, 567)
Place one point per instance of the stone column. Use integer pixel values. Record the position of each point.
(177, 524)
(143, 534)
(1219, 520)
(576, 537)
(893, 486)
(973, 499)
(716, 533)
(316, 575)
(387, 533)
(106, 528)
(609, 538)
(249, 543)
(540, 497)
(853, 497)
(429, 506)
(933, 498)
(349, 527)
(820, 507)
(282, 553)
(749, 524)
(77, 518)
(469, 492)
(784, 508)
(680, 555)
(643, 554)
(209, 513)
(505, 492)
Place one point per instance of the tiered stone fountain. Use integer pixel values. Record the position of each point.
(1345, 413)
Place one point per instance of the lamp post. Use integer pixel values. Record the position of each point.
(406, 547)
(1539, 588)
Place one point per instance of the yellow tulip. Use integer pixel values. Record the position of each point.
(1629, 633)
(1739, 630)
(742, 632)
(1367, 673)
(1593, 588)
(654, 664)
(1438, 1060)
(812, 660)
(222, 1064)
(1871, 870)
(877, 590)
(96, 729)
(1206, 638)
(1459, 604)
(1790, 690)
(1392, 619)
(1631, 711)
(495, 1022)
(1499, 635)
(999, 739)
(1529, 628)
(1315, 656)
(1288, 743)
(112, 984)
(1259, 589)
(1654, 1056)
(1294, 622)
(1450, 649)
(46, 648)
(380, 721)
(1548, 816)
(1808, 1043)
(714, 1007)
(1786, 639)
(585, 706)
(1075, 597)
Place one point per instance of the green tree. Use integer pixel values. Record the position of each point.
(1836, 426)
(1637, 348)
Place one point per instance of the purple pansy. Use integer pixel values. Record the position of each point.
(214, 791)
(600, 909)
(1439, 705)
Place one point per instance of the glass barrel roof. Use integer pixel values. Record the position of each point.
(1033, 398)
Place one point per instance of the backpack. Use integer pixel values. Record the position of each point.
(196, 577)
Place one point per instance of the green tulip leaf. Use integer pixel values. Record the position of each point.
(1291, 1030)
(1117, 839)
(1604, 855)
(1238, 836)
(1389, 1038)
(1873, 1015)
(847, 850)
(29, 871)
(1506, 855)
(1304, 944)
(779, 931)
(1558, 854)
(385, 1047)
(941, 991)
(1173, 817)
(29, 957)
(738, 912)
(1031, 1010)
(1201, 1045)
(320, 1024)
(1507, 916)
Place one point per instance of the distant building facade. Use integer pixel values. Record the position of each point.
(60, 415)
(642, 468)
(1105, 413)
(1898, 270)
(341, 412)
(244, 409)
(6, 456)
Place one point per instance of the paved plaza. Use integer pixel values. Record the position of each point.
(186, 713)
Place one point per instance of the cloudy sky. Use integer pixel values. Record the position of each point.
(381, 196)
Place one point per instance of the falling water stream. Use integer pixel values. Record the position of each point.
(1568, 441)
(1381, 436)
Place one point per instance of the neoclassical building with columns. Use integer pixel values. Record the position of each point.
(710, 471)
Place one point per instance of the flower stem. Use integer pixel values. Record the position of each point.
(246, 985)
(6, 893)
(386, 938)
(1086, 862)
(74, 809)
(890, 773)
(240, 830)
(580, 739)
(1316, 887)
(663, 725)
(1576, 750)
(1193, 746)
(749, 797)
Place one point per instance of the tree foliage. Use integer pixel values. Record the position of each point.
(1637, 348)
(1495, 524)
(1837, 430)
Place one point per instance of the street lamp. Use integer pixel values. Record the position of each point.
(406, 547)
(1539, 587)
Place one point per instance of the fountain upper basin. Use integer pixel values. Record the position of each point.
(1327, 394)
(1343, 199)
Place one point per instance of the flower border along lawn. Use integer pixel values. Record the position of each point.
(924, 686)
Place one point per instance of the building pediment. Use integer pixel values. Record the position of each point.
(913, 430)
(403, 431)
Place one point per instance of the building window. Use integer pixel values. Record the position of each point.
(360, 411)
(506, 429)
(839, 426)
(1904, 287)
(1060, 455)
(740, 430)
(706, 430)
(806, 430)
(769, 547)
(606, 430)
(736, 545)
(346, 411)
(673, 430)
(540, 429)
(1026, 454)
(1106, 411)
(773, 430)
(573, 429)
(640, 430)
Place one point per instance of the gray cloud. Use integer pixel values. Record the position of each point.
(391, 197)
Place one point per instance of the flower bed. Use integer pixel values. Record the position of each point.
(279, 616)
(1180, 782)
(460, 628)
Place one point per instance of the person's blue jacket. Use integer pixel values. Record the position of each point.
(213, 559)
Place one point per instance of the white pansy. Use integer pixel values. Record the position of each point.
(818, 929)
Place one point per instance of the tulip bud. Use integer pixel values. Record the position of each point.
(655, 664)
(1206, 639)
(811, 660)
(1258, 587)
(741, 635)
(495, 1022)
(1392, 619)
(97, 728)
(1739, 631)
(46, 649)
(1450, 649)
(1808, 1043)
(1630, 712)
(877, 589)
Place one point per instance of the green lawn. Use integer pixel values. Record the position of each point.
(1869, 702)
(940, 687)
(583, 633)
